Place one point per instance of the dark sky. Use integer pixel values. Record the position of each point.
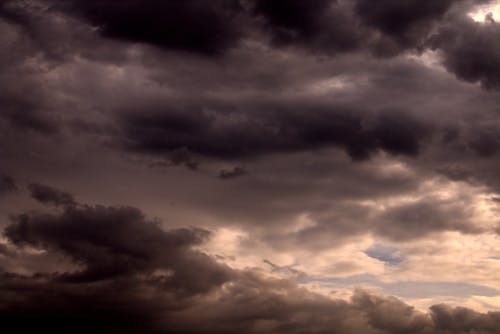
(250, 166)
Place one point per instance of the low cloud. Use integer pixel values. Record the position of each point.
(7, 184)
(138, 278)
(49, 195)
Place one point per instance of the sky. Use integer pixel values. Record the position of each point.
(250, 166)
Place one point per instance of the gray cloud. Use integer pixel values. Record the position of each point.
(425, 216)
(49, 195)
(7, 184)
(196, 26)
(347, 116)
(403, 24)
(111, 242)
(121, 253)
(322, 26)
(471, 50)
(463, 320)
(278, 128)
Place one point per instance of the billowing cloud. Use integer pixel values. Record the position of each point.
(296, 163)
(406, 24)
(145, 279)
(89, 236)
(471, 50)
(322, 26)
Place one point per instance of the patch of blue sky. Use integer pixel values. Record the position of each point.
(388, 254)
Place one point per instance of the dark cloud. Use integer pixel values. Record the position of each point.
(177, 157)
(463, 320)
(131, 275)
(249, 304)
(426, 216)
(49, 195)
(7, 184)
(407, 23)
(342, 145)
(384, 28)
(25, 114)
(337, 221)
(390, 314)
(296, 311)
(26, 104)
(322, 26)
(486, 143)
(138, 278)
(111, 242)
(471, 50)
(10, 11)
(208, 28)
(282, 128)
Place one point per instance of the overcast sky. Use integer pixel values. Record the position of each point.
(250, 166)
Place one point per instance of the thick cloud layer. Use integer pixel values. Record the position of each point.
(471, 51)
(48, 195)
(272, 129)
(206, 28)
(138, 278)
(296, 161)
(406, 23)
(322, 26)
(114, 242)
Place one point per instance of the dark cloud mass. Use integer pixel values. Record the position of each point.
(138, 278)
(48, 195)
(296, 163)
(7, 184)
(406, 22)
(471, 51)
(112, 242)
(248, 133)
(196, 26)
(320, 25)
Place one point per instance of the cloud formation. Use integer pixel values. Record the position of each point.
(49, 195)
(471, 51)
(112, 242)
(247, 134)
(192, 26)
(136, 277)
(7, 184)
(296, 162)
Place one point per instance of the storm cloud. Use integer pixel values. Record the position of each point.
(192, 26)
(7, 184)
(49, 195)
(324, 166)
(89, 236)
(247, 133)
(136, 277)
(471, 51)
